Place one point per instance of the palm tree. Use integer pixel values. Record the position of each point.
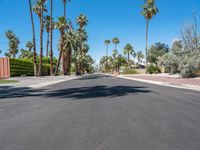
(149, 10)
(13, 43)
(64, 3)
(39, 9)
(51, 37)
(70, 43)
(64, 57)
(140, 56)
(115, 42)
(33, 38)
(82, 22)
(107, 43)
(30, 46)
(47, 20)
(61, 25)
(128, 50)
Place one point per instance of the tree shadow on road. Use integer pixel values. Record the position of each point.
(78, 93)
(96, 92)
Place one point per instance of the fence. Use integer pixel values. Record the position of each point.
(4, 68)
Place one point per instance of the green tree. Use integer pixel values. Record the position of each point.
(156, 51)
(128, 50)
(70, 44)
(29, 45)
(61, 25)
(26, 54)
(13, 43)
(115, 42)
(119, 62)
(140, 56)
(107, 43)
(149, 10)
(39, 9)
(82, 21)
(33, 38)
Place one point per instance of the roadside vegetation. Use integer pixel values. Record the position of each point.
(182, 58)
(73, 47)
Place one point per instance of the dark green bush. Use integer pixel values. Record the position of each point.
(20, 67)
(152, 69)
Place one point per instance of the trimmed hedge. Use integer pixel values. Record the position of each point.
(20, 67)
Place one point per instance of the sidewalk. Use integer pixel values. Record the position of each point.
(36, 82)
(166, 80)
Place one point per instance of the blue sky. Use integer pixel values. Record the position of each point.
(107, 19)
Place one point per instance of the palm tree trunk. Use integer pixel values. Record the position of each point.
(41, 43)
(51, 38)
(64, 63)
(33, 38)
(68, 61)
(128, 59)
(147, 28)
(60, 55)
(47, 46)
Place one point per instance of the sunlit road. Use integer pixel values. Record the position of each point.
(100, 112)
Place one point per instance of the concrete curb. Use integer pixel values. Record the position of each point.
(166, 84)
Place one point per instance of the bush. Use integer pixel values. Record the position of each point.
(190, 66)
(129, 71)
(20, 67)
(152, 69)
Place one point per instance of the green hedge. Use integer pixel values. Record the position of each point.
(20, 67)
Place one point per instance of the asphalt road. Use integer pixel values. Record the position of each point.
(100, 113)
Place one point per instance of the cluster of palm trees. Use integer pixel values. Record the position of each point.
(72, 45)
(116, 61)
(149, 11)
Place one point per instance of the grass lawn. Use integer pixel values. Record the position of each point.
(8, 81)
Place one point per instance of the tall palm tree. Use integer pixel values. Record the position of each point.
(39, 9)
(64, 57)
(115, 42)
(70, 43)
(29, 45)
(82, 22)
(47, 20)
(33, 39)
(51, 37)
(61, 25)
(107, 43)
(128, 50)
(149, 11)
(64, 3)
(140, 56)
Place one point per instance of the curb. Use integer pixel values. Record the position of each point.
(165, 84)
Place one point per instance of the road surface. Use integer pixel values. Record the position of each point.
(99, 112)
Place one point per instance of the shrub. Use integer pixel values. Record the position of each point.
(129, 71)
(190, 66)
(20, 67)
(152, 69)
